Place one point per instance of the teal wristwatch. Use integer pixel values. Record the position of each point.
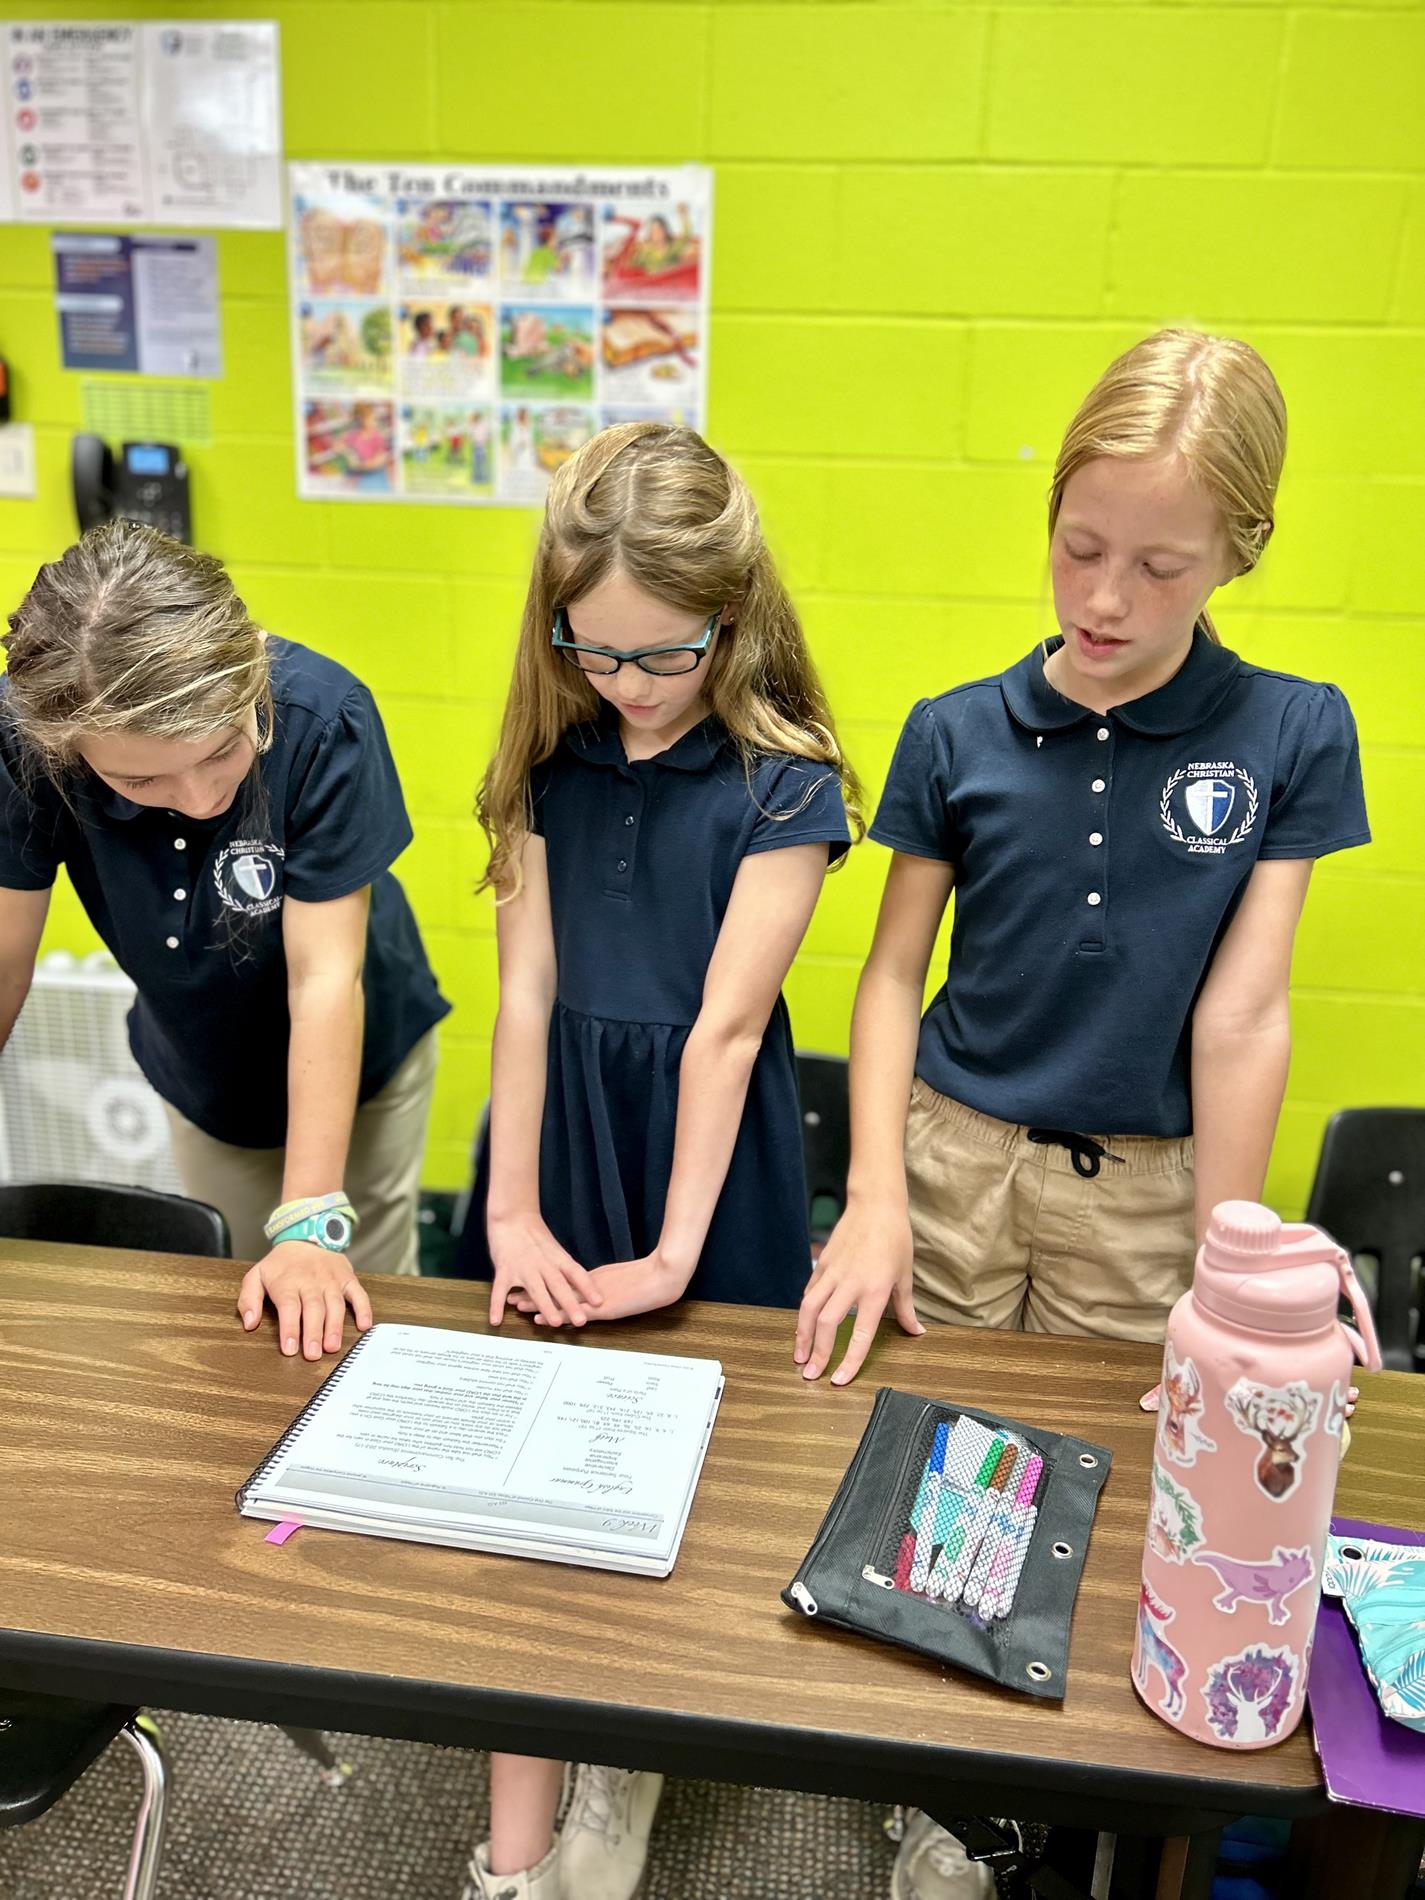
(327, 1220)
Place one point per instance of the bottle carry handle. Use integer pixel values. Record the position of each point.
(1309, 1245)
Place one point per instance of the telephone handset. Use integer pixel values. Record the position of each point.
(147, 482)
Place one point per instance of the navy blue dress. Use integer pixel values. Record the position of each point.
(642, 857)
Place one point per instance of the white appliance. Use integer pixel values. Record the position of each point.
(73, 1103)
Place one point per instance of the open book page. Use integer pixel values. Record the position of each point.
(526, 1439)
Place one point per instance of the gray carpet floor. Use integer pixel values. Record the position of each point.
(250, 1819)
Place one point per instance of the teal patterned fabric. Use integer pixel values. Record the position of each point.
(1382, 1588)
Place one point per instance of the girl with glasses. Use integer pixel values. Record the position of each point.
(666, 796)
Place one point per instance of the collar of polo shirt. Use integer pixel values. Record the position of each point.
(1188, 699)
(599, 742)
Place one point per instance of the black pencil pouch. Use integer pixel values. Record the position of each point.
(959, 1534)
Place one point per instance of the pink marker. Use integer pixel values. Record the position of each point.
(1003, 1579)
(904, 1561)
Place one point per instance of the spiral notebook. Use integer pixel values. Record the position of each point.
(577, 1454)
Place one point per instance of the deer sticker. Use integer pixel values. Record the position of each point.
(1282, 1417)
(1154, 1651)
(1180, 1415)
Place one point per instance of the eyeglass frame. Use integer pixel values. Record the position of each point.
(568, 647)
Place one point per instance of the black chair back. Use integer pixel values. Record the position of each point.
(90, 1214)
(1369, 1195)
(46, 1743)
(826, 1137)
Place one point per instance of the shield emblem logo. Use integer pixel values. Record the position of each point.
(1209, 803)
(254, 876)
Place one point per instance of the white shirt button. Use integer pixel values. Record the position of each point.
(1103, 732)
(180, 893)
(1095, 837)
(179, 844)
(172, 942)
(1094, 898)
(1097, 785)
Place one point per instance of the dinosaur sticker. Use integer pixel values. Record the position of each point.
(1180, 1432)
(1248, 1695)
(1267, 1580)
(1282, 1416)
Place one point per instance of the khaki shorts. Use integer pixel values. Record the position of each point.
(383, 1171)
(1008, 1234)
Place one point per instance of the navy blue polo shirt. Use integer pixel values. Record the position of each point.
(642, 856)
(1099, 858)
(192, 911)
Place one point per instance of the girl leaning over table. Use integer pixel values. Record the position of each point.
(227, 809)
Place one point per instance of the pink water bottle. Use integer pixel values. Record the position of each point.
(1256, 1372)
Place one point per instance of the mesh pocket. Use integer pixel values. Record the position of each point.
(961, 1515)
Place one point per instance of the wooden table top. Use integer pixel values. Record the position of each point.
(132, 1405)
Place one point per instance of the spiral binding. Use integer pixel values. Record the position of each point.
(299, 1423)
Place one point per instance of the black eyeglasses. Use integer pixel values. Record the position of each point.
(656, 660)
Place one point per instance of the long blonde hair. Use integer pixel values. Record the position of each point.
(1211, 400)
(656, 504)
(130, 631)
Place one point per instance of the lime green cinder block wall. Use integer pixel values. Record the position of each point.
(935, 224)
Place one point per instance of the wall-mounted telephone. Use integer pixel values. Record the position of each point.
(148, 482)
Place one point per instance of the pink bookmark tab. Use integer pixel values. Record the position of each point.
(281, 1532)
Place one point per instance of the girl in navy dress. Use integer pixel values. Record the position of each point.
(666, 797)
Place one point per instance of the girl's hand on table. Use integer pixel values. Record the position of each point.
(625, 1287)
(866, 1264)
(534, 1274)
(311, 1289)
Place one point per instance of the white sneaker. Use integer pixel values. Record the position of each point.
(536, 1883)
(604, 1835)
(932, 1865)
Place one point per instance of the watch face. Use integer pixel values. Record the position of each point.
(336, 1232)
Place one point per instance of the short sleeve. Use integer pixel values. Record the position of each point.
(1317, 804)
(916, 812)
(31, 851)
(799, 802)
(346, 820)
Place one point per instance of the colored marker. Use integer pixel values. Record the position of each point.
(1015, 1528)
(993, 1537)
(993, 1473)
(943, 1505)
(904, 1561)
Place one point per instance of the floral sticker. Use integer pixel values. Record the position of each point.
(1175, 1519)
(1248, 1695)
(1180, 1433)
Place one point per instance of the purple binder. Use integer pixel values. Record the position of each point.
(1366, 1758)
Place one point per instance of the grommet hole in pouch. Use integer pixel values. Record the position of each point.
(960, 1517)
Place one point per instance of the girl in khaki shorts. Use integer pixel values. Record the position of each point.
(1128, 819)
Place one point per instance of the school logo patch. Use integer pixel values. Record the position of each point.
(1201, 801)
(249, 876)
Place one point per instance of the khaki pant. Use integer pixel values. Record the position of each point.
(1008, 1234)
(383, 1171)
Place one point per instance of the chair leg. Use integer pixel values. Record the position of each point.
(144, 1737)
(313, 1743)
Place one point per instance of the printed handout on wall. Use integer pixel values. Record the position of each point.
(123, 122)
(457, 334)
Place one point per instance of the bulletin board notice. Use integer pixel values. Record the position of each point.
(458, 332)
(122, 122)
